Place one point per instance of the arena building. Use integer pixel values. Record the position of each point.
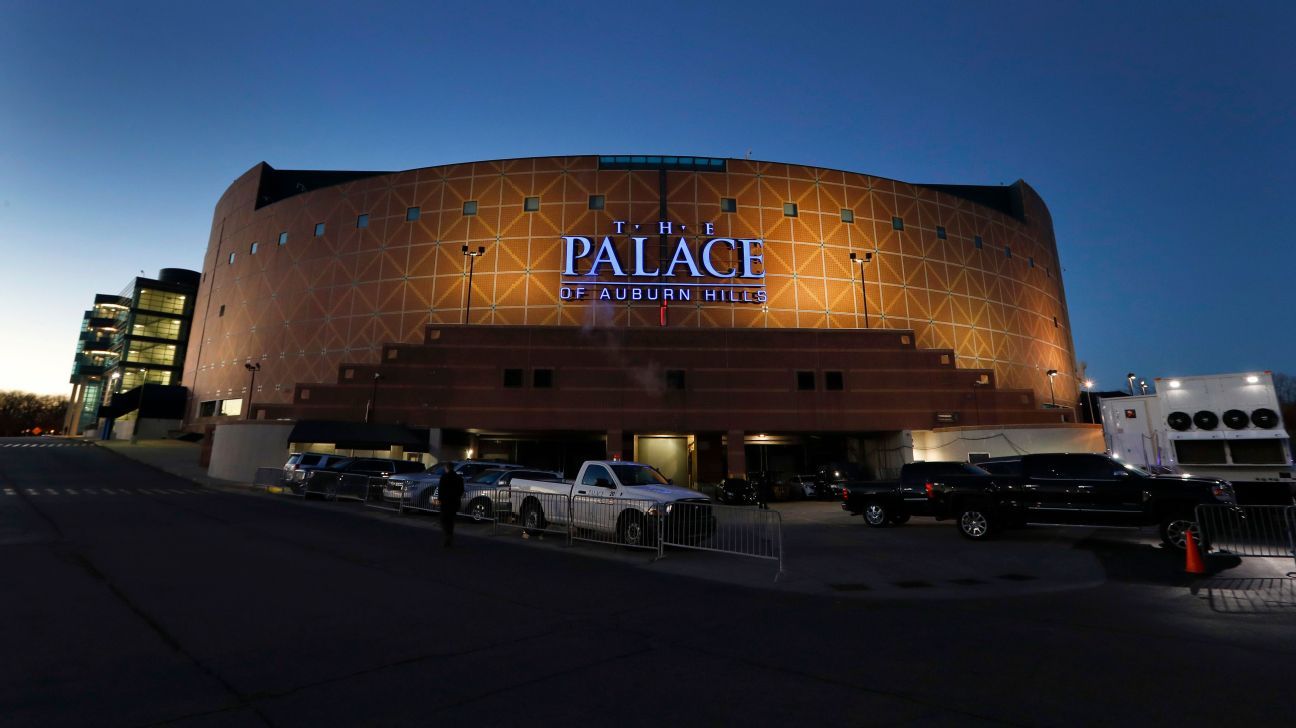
(720, 315)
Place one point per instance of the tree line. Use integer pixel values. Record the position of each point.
(22, 412)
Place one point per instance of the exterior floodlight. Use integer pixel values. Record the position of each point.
(1252, 379)
(863, 261)
(1175, 383)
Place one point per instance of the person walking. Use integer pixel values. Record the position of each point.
(450, 492)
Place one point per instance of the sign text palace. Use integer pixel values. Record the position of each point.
(618, 268)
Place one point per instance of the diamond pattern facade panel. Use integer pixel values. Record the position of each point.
(389, 260)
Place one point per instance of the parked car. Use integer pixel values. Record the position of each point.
(417, 488)
(1081, 489)
(736, 492)
(300, 462)
(373, 468)
(893, 502)
(807, 486)
(830, 477)
(482, 500)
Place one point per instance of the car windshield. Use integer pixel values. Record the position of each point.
(488, 477)
(1136, 469)
(638, 475)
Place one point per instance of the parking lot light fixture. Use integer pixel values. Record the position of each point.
(1052, 400)
(863, 261)
(472, 256)
(1131, 377)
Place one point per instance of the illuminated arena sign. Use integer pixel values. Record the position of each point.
(718, 269)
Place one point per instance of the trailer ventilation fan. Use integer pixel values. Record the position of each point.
(1179, 421)
(1206, 420)
(1236, 419)
(1265, 417)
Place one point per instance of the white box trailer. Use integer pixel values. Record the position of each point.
(1224, 426)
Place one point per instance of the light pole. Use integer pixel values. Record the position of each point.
(868, 257)
(1088, 385)
(472, 260)
(976, 397)
(373, 398)
(1131, 379)
(253, 368)
(1052, 400)
(1142, 386)
(139, 408)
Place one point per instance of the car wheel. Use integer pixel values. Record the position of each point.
(900, 519)
(975, 523)
(1174, 531)
(632, 530)
(876, 514)
(480, 510)
(533, 520)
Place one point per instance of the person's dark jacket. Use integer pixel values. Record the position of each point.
(451, 488)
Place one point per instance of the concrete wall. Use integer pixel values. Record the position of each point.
(955, 443)
(149, 428)
(239, 448)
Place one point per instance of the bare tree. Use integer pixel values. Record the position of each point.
(21, 412)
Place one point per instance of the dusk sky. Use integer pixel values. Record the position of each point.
(1161, 135)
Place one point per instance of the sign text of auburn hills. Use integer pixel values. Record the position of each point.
(707, 269)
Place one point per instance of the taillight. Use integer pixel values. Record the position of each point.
(931, 489)
(845, 494)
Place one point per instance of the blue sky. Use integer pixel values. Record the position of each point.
(1160, 134)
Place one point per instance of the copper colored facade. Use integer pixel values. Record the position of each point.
(970, 273)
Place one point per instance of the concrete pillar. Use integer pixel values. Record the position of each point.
(434, 445)
(736, 453)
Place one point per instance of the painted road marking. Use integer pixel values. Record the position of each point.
(51, 491)
(10, 491)
(32, 491)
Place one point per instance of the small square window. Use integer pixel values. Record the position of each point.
(977, 242)
(847, 215)
(805, 381)
(597, 202)
(1055, 323)
(542, 378)
(1007, 252)
(411, 214)
(319, 229)
(940, 233)
(252, 249)
(283, 238)
(728, 204)
(1031, 261)
(222, 311)
(833, 381)
(789, 209)
(470, 207)
(531, 204)
(512, 378)
(675, 379)
(897, 223)
(362, 221)
(231, 259)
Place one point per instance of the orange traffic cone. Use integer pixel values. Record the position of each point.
(1194, 565)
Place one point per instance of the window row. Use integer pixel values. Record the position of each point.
(673, 379)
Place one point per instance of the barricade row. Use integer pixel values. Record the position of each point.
(628, 522)
(1249, 530)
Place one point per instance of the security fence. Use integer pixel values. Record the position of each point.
(534, 513)
(738, 530)
(630, 522)
(1249, 530)
(267, 478)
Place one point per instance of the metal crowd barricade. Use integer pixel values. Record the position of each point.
(535, 514)
(738, 530)
(350, 486)
(266, 478)
(629, 522)
(411, 502)
(375, 496)
(482, 504)
(1249, 530)
(319, 483)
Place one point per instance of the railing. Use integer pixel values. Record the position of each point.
(1249, 530)
(739, 530)
(534, 513)
(630, 522)
(267, 477)
(375, 495)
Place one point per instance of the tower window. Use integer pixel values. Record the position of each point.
(728, 204)
(411, 214)
(789, 209)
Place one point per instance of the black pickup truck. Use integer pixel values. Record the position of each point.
(892, 502)
(1074, 489)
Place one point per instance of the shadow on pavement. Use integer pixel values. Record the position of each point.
(1144, 563)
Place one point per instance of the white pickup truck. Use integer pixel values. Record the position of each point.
(627, 501)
